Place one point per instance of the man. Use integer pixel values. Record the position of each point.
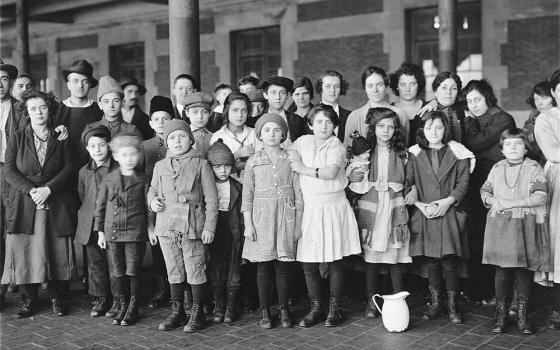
(275, 91)
(131, 111)
(183, 86)
(331, 86)
(22, 83)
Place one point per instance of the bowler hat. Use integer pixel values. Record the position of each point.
(133, 81)
(9, 68)
(278, 80)
(81, 67)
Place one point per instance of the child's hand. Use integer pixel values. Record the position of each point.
(367, 237)
(153, 238)
(442, 206)
(423, 207)
(412, 196)
(207, 237)
(500, 204)
(296, 166)
(356, 175)
(298, 232)
(40, 194)
(62, 130)
(157, 205)
(250, 233)
(101, 242)
(246, 151)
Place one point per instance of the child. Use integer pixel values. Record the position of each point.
(197, 106)
(120, 213)
(272, 208)
(437, 178)
(184, 196)
(217, 115)
(90, 180)
(161, 111)
(258, 106)
(382, 216)
(361, 152)
(516, 238)
(225, 250)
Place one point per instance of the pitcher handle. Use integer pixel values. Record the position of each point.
(375, 303)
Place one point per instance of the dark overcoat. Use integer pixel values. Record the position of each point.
(142, 122)
(296, 126)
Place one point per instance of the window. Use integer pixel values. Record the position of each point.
(255, 51)
(38, 71)
(127, 61)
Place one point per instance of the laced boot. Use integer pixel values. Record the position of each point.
(265, 321)
(161, 295)
(132, 312)
(114, 310)
(27, 309)
(188, 301)
(197, 321)
(101, 306)
(57, 307)
(371, 310)
(454, 313)
(334, 318)
(231, 312)
(285, 318)
(523, 323)
(554, 320)
(436, 307)
(123, 307)
(512, 312)
(176, 318)
(314, 315)
(219, 307)
(500, 317)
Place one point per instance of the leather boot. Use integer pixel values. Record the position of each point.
(132, 312)
(265, 321)
(188, 301)
(500, 317)
(554, 320)
(176, 318)
(454, 313)
(231, 304)
(219, 306)
(314, 315)
(334, 318)
(512, 311)
(436, 307)
(523, 323)
(57, 307)
(27, 309)
(123, 307)
(102, 305)
(114, 310)
(161, 295)
(371, 310)
(285, 318)
(197, 321)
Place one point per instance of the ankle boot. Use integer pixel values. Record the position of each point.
(161, 295)
(123, 307)
(285, 318)
(100, 307)
(176, 318)
(197, 320)
(219, 307)
(500, 317)
(512, 311)
(554, 320)
(435, 308)
(132, 311)
(114, 310)
(265, 321)
(231, 312)
(371, 310)
(188, 301)
(454, 313)
(334, 318)
(27, 309)
(523, 323)
(314, 315)
(57, 307)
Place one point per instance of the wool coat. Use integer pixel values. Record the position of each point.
(24, 172)
(235, 216)
(142, 122)
(342, 118)
(16, 121)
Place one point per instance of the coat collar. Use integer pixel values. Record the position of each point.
(115, 177)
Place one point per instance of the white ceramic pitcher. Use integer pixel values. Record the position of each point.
(395, 313)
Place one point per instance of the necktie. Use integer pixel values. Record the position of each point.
(435, 160)
(184, 113)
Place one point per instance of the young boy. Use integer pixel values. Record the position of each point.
(258, 106)
(96, 139)
(221, 92)
(184, 196)
(120, 219)
(225, 250)
(197, 106)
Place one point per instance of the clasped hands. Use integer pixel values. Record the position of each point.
(429, 210)
(40, 194)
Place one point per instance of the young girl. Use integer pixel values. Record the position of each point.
(382, 215)
(516, 238)
(437, 178)
(272, 208)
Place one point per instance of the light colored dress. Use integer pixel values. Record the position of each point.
(329, 228)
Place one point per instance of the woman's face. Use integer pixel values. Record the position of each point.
(542, 103)
(408, 87)
(38, 111)
(476, 103)
(237, 114)
(446, 92)
(375, 88)
(384, 131)
(322, 126)
(434, 131)
(301, 97)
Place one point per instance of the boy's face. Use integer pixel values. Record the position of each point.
(199, 116)
(178, 142)
(127, 157)
(514, 149)
(221, 172)
(158, 121)
(276, 96)
(111, 104)
(258, 109)
(98, 149)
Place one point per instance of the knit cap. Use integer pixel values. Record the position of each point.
(360, 145)
(107, 85)
(161, 103)
(220, 154)
(177, 124)
(274, 118)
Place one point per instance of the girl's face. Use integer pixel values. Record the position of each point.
(408, 87)
(375, 88)
(237, 114)
(384, 131)
(446, 93)
(434, 131)
(322, 126)
(38, 111)
(271, 134)
(301, 97)
(542, 103)
(476, 103)
(178, 142)
(514, 149)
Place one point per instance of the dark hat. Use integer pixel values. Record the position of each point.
(161, 103)
(99, 130)
(133, 81)
(255, 95)
(278, 80)
(81, 67)
(199, 99)
(176, 124)
(360, 145)
(9, 68)
(220, 154)
(274, 118)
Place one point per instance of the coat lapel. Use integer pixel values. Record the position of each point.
(447, 164)
(51, 145)
(423, 158)
(30, 144)
(234, 193)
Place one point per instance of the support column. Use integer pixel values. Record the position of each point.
(447, 12)
(22, 36)
(184, 39)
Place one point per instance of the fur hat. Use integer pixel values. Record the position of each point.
(274, 118)
(81, 67)
(255, 95)
(199, 99)
(177, 124)
(360, 145)
(220, 154)
(99, 130)
(278, 80)
(161, 103)
(107, 85)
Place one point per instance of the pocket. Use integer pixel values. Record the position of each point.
(415, 222)
(167, 184)
(200, 218)
(290, 211)
(461, 221)
(257, 217)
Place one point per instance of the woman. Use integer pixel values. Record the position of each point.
(40, 210)
(302, 96)
(408, 85)
(541, 101)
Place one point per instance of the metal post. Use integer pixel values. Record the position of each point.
(22, 39)
(184, 39)
(447, 35)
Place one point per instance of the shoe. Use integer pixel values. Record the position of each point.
(102, 305)
(188, 301)
(454, 314)
(161, 295)
(230, 313)
(27, 309)
(2, 302)
(13, 288)
(512, 311)
(285, 318)
(57, 307)
(554, 320)
(114, 310)
(123, 308)
(314, 315)
(334, 317)
(265, 321)
(371, 310)
(132, 312)
(219, 311)
(523, 323)
(489, 302)
(500, 318)
(176, 319)
(436, 307)
(197, 321)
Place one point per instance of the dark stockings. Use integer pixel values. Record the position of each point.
(446, 266)
(505, 278)
(265, 271)
(313, 278)
(556, 297)
(372, 271)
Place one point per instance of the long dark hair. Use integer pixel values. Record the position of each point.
(421, 137)
(373, 117)
(236, 96)
(48, 97)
